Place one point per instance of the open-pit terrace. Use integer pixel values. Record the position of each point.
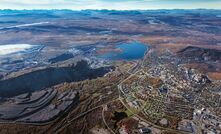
(37, 107)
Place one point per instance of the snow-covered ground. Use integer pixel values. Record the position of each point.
(25, 25)
(14, 48)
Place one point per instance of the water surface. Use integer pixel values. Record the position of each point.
(128, 51)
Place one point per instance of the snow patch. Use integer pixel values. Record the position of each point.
(25, 25)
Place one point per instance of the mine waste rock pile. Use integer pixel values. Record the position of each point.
(37, 107)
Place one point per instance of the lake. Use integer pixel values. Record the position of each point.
(129, 51)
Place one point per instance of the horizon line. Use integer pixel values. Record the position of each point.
(116, 9)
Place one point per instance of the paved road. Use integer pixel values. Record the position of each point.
(81, 115)
(120, 98)
(106, 122)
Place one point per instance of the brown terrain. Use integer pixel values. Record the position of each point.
(178, 76)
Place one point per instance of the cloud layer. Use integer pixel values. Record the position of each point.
(110, 4)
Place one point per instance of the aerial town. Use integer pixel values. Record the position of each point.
(110, 72)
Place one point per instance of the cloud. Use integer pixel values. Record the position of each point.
(108, 4)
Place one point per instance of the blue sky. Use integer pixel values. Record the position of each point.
(110, 4)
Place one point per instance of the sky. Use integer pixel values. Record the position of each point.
(110, 4)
